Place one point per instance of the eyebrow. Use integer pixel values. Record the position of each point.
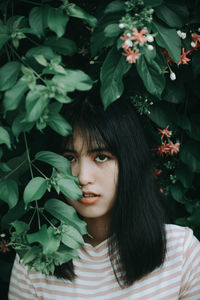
(93, 150)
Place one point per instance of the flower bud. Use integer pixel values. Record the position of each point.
(121, 25)
(150, 38)
(150, 47)
(193, 45)
(172, 76)
(183, 35)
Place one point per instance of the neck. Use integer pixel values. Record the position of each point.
(98, 228)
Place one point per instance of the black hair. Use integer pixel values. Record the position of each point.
(137, 226)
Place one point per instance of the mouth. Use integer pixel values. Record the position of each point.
(89, 198)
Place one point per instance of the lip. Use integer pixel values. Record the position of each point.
(89, 200)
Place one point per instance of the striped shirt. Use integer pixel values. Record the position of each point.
(177, 278)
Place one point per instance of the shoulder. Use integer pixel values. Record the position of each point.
(182, 240)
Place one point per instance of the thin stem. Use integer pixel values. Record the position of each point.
(48, 221)
(40, 171)
(33, 215)
(31, 2)
(13, 171)
(31, 171)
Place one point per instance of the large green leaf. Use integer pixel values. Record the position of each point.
(20, 226)
(46, 237)
(13, 96)
(61, 45)
(13, 214)
(74, 80)
(46, 51)
(59, 124)
(152, 76)
(55, 160)
(162, 114)
(74, 10)
(112, 30)
(190, 155)
(112, 72)
(38, 19)
(114, 6)
(174, 91)
(36, 101)
(9, 192)
(71, 237)
(177, 192)
(153, 3)
(184, 175)
(20, 125)
(194, 131)
(173, 16)
(57, 21)
(69, 188)
(168, 38)
(35, 189)
(5, 137)
(9, 74)
(65, 213)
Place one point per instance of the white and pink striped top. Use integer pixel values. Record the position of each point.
(177, 278)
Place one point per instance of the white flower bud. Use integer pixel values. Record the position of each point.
(128, 34)
(172, 76)
(179, 33)
(193, 45)
(199, 29)
(183, 35)
(121, 25)
(150, 38)
(128, 43)
(150, 47)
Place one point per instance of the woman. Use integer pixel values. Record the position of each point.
(130, 252)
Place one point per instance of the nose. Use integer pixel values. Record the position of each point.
(85, 172)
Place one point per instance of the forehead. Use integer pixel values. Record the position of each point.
(83, 139)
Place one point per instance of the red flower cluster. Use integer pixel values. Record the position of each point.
(132, 41)
(167, 147)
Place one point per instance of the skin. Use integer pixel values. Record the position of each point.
(97, 171)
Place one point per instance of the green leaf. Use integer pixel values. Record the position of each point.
(194, 131)
(69, 188)
(177, 192)
(196, 63)
(183, 121)
(184, 175)
(59, 124)
(57, 21)
(9, 192)
(112, 72)
(174, 91)
(30, 255)
(74, 80)
(14, 96)
(65, 213)
(152, 76)
(38, 19)
(47, 238)
(61, 45)
(168, 39)
(4, 34)
(114, 6)
(74, 10)
(64, 254)
(173, 16)
(71, 237)
(9, 74)
(55, 160)
(112, 30)
(20, 125)
(5, 137)
(47, 52)
(36, 101)
(153, 3)
(35, 189)
(20, 226)
(162, 114)
(190, 155)
(13, 214)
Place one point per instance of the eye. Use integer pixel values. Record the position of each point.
(101, 158)
(70, 158)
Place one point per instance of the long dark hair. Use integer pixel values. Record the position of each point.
(137, 225)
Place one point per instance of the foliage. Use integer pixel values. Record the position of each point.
(52, 51)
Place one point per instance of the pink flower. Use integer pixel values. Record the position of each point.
(138, 36)
(184, 59)
(131, 56)
(3, 246)
(173, 148)
(165, 132)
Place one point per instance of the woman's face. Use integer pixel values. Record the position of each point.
(97, 171)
